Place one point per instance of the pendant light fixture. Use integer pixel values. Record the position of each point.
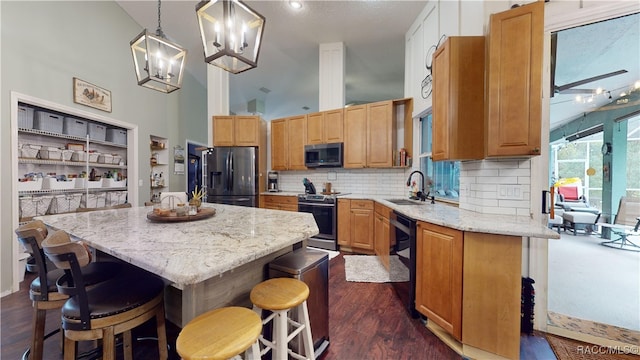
(159, 63)
(231, 34)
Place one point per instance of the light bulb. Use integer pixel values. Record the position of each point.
(637, 84)
(599, 91)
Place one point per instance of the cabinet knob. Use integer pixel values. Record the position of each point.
(536, 151)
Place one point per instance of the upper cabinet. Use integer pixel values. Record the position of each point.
(237, 130)
(325, 127)
(458, 99)
(514, 81)
(370, 133)
(287, 143)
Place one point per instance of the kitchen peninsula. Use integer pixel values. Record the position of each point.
(207, 263)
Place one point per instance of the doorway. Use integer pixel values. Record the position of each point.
(194, 166)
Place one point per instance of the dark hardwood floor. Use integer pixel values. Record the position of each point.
(366, 321)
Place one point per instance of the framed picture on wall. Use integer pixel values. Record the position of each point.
(91, 95)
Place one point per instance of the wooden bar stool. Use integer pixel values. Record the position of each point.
(279, 295)
(43, 291)
(221, 334)
(112, 307)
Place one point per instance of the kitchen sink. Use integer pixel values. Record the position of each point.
(403, 202)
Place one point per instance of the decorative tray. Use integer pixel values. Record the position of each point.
(203, 213)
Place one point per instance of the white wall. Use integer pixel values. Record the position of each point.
(46, 44)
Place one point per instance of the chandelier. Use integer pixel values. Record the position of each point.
(231, 34)
(159, 63)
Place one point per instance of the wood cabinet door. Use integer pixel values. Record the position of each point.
(439, 255)
(514, 81)
(381, 236)
(355, 136)
(381, 137)
(362, 224)
(458, 99)
(315, 128)
(333, 126)
(440, 96)
(344, 222)
(297, 131)
(247, 131)
(223, 131)
(279, 145)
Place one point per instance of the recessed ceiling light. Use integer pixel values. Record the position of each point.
(295, 4)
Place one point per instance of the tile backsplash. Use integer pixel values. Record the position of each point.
(496, 186)
(384, 182)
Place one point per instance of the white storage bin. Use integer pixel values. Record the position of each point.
(94, 200)
(54, 184)
(47, 121)
(117, 159)
(97, 131)
(29, 151)
(116, 198)
(66, 155)
(110, 183)
(31, 185)
(105, 159)
(65, 203)
(82, 183)
(75, 127)
(31, 206)
(93, 157)
(78, 155)
(117, 136)
(50, 153)
(25, 117)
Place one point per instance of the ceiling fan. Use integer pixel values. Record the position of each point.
(570, 87)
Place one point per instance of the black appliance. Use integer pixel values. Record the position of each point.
(230, 175)
(405, 248)
(323, 155)
(312, 268)
(325, 211)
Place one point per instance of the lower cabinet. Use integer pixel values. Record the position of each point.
(279, 202)
(356, 225)
(439, 256)
(469, 284)
(383, 235)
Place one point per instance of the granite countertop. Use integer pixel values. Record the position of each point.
(465, 220)
(186, 253)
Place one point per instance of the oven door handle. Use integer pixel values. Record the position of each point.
(316, 204)
(400, 226)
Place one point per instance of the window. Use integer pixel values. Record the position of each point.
(445, 174)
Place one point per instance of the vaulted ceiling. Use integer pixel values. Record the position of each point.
(373, 33)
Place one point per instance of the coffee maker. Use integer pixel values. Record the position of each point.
(272, 181)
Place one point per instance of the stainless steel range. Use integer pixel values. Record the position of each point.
(325, 211)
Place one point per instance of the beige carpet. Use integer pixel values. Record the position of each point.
(367, 268)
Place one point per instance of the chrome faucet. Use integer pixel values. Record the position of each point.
(421, 194)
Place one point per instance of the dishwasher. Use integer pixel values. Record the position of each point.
(311, 267)
(405, 249)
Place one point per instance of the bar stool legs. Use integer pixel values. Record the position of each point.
(281, 296)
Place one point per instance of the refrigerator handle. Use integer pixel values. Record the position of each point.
(231, 171)
(228, 171)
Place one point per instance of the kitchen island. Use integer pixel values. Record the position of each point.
(208, 263)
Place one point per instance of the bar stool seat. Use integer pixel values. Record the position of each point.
(43, 291)
(221, 334)
(280, 295)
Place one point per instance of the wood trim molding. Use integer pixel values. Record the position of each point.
(560, 20)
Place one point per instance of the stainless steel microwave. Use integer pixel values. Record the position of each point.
(323, 155)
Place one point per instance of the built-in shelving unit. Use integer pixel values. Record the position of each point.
(159, 163)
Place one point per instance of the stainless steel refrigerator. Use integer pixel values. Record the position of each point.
(230, 175)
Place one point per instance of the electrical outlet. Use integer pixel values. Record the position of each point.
(510, 192)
